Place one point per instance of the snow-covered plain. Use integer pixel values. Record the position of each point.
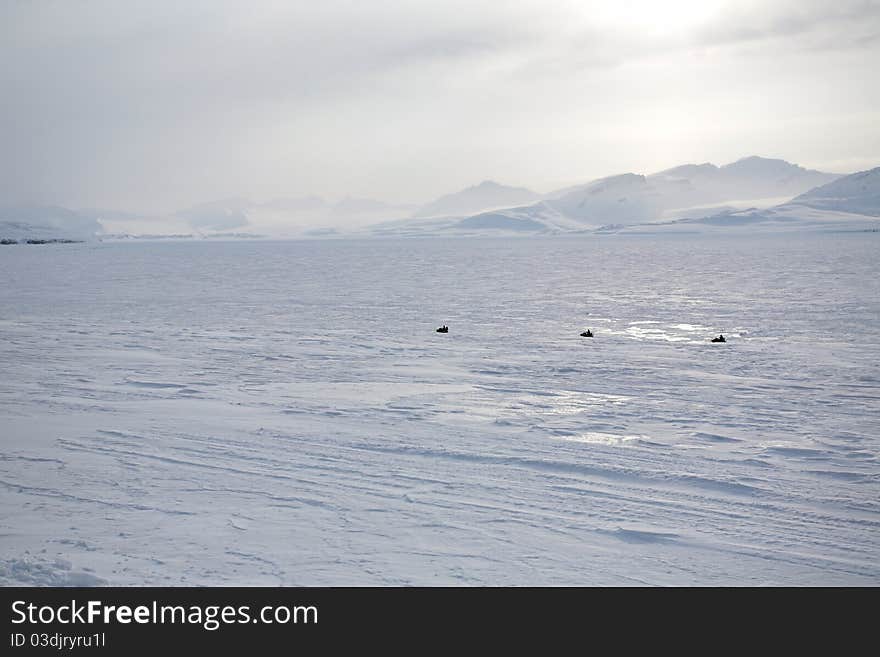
(271, 413)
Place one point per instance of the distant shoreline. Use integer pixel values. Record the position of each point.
(40, 241)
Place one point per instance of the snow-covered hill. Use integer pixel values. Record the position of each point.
(227, 214)
(488, 195)
(753, 191)
(540, 218)
(687, 191)
(786, 218)
(280, 217)
(851, 203)
(760, 177)
(632, 199)
(628, 199)
(848, 203)
(690, 191)
(46, 223)
(858, 193)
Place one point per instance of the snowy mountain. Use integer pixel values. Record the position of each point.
(278, 217)
(350, 206)
(46, 223)
(788, 217)
(750, 191)
(540, 218)
(488, 195)
(762, 177)
(218, 215)
(850, 203)
(630, 198)
(858, 193)
(303, 204)
(290, 213)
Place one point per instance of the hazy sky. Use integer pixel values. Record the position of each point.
(158, 104)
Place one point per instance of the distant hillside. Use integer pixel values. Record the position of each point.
(218, 215)
(302, 204)
(746, 192)
(850, 203)
(350, 206)
(768, 177)
(858, 193)
(488, 195)
(631, 198)
(46, 223)
(749, 192)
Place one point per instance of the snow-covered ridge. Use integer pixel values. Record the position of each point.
(857, 193)
(488, 195)
(754, 192)
(45, 223)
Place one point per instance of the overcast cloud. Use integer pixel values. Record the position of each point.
(155, 105)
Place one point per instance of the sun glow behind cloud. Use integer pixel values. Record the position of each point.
(652, 17)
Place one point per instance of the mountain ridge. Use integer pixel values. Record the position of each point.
(486, 195)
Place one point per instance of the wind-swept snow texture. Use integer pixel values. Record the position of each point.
(285, 413)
